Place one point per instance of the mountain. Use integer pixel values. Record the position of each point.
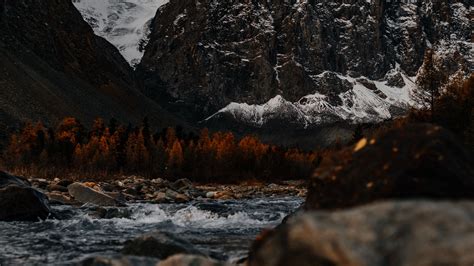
(124, 23)
(52, 65)
(298, 63)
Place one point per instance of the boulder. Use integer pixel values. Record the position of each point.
(59, 198)
(387, 233)
(57, 188)
(19, 201)
(86, 194)
(182, 184)
(159, 245)
(191, 260)
(415, 161)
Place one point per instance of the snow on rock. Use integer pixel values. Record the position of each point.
(124, 23)
(361, 104)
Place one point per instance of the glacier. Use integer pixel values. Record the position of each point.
(124, 23)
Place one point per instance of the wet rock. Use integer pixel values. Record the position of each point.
(191, 260)
(64, 182)
(176, 197)
(86, 194)
(182, 184)
(159, 245)
(160, 197)
(213, 207)
(210, 194)
(56, 187)
(110, 213)
(19, 201)
(119, 261)
(59, 198)
(416, 161)
(389, 233)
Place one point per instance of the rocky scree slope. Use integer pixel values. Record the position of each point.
(52, 65)
(303, 62)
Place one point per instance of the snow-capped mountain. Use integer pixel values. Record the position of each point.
(300, 61)
(307, 62)
(367, 101)
(124, 23)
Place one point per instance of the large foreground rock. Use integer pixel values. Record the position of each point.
(85, 194)
(389, 233)
(19, 201)
(159, 245)
(416, 161)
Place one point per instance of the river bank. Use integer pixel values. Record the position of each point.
(138, 189)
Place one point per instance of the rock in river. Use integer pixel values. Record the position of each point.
(388, 233)
(85, 194)
(159, 245)
(19, 201)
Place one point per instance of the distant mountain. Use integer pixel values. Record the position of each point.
(124, 23)
(52, 65)
(301, 63)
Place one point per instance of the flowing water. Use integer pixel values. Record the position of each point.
(223, 229)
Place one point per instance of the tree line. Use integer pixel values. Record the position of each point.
(109, 150)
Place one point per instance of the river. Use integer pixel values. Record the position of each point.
(223, 229)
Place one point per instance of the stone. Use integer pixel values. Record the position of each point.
(182, 184)
(64, 182)
(19, 201)
(110, 213)
(56, 187)
(159, 245)
(86, 194)
(191, 260)
(210, 195)
(59, 198)
(386, 233)
(414, 161)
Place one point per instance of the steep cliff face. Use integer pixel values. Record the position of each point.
(321, 59)
(53, 66)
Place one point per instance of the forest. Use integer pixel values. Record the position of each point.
(111, 150)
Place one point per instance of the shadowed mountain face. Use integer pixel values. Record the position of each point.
(52, 65)
(352, 60)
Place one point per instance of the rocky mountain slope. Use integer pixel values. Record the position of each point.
(52, 65)
(303, 62)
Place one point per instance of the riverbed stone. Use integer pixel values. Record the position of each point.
(57, 188)
(159, 245)
(19, 201)
(386, 233)
(85, 194)
(60, 198)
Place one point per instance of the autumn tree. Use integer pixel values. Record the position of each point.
(430, 79)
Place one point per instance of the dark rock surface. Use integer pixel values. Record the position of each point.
(388, 233)
(19, 201)
(202, 55)
(159, 245)
(414, 161)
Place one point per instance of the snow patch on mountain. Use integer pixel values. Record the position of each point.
(361, 104)
(124, 23)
